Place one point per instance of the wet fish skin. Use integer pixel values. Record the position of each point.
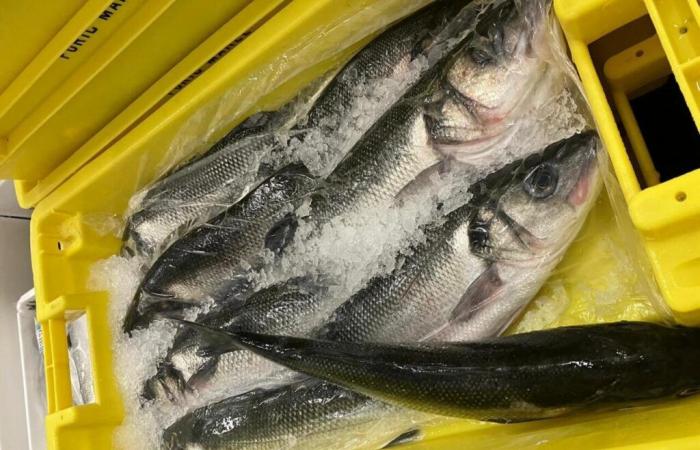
(388, 157)
(203, 188)
(421, 286)
(508, 379)
(200, 266)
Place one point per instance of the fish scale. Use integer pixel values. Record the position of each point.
(374, 172)
(181, 199)
(427, 285)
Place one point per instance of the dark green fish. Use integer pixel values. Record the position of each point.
(516, 378)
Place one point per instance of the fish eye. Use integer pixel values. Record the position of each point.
(542, 181)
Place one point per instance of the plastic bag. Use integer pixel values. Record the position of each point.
(437, 178)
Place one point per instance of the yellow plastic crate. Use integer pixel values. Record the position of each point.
(46, 18)
(63, 98)
(177, 78)
(667, 215)
(77, 41)
(66, 241)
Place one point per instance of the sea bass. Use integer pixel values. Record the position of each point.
(507, 379)
(459, 110)
(366, 86)
(399, 146)
(288, 307)
(435, 285)
(198, 268)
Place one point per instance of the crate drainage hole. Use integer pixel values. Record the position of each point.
(669, 130)
(680, 196)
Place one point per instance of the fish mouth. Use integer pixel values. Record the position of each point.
(169, 381)
(585, 185)
(493, 127)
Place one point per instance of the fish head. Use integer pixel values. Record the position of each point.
(186, 433)
(494, 72)
(528, 211)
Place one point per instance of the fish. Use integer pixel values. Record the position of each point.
(441, 281)
(200, 189)
(261, 419)
(459, 110)
(487, 258)
(287, 307)
(506, 379)
(199, 267)
(207, 186)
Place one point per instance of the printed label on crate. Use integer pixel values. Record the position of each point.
(112, 10)
(210, 62)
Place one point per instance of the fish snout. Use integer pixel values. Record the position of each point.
(587, 181)
(182, 433)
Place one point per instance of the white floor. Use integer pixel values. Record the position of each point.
(15, 279)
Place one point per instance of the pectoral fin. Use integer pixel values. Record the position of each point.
(282, 233)
(484, 288)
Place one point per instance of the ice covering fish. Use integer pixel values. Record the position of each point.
(441, 280)
(241, 159)
(423, 129)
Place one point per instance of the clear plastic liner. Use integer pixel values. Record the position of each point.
(426, 190)
(31, 344)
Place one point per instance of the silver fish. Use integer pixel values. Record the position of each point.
(198, 267)
(251, 152)
(459, 110)
(442, 282)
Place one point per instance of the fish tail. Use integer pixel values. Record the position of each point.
(134, 243)
(133, 319)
